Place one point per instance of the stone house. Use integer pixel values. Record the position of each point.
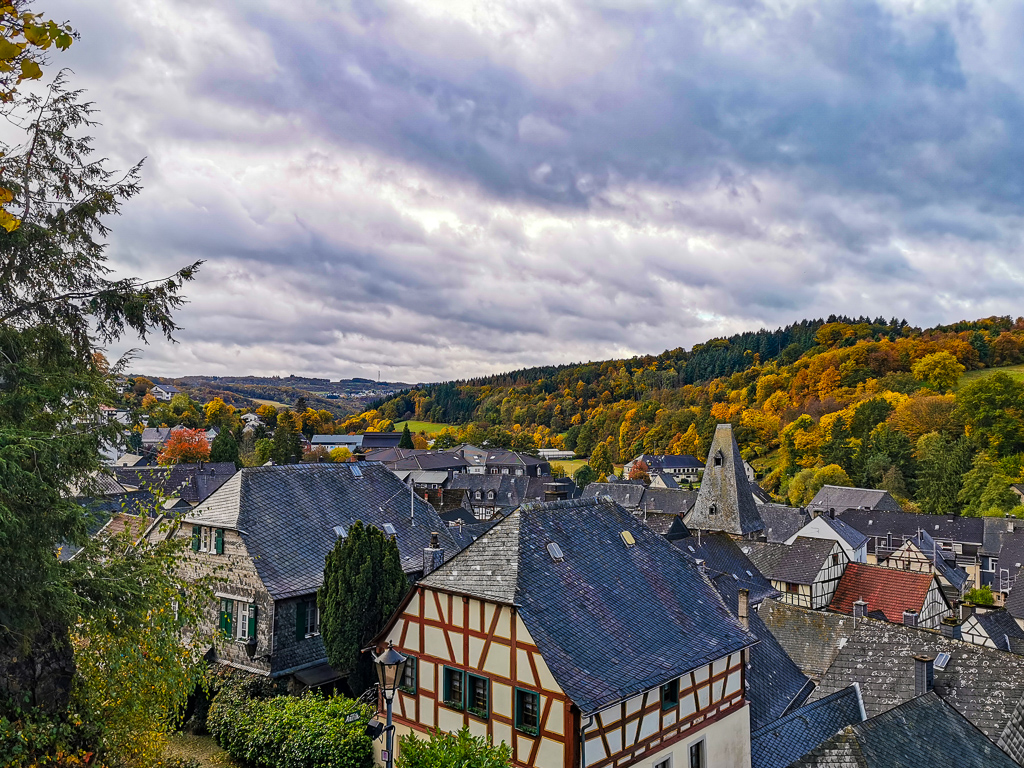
(263, 537)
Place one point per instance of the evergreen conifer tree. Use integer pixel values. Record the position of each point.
(287, 448)
(363, 585)
(225, 448)
(406, 441)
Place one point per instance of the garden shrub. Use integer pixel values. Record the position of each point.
(288, 731)
(452, 750)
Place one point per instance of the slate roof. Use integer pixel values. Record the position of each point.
(509, 491)
(663, 480)
(724, 502)
(668, 500)
(888, 590)
(658, 462)
(500, 457)
(925, 731)
(761, 496)
(466, 534)
(951, 572)
(994, 530)
(796, 563)
(430, 461)
(721, 555)
(1003, 629)
(626, 494)
(98, 484)
(381, 440)
(655, 614)
(774, 682)
(811, 638)
(193, 482)
(847, 532)
(983, 684)
(355, 441)
(155, 435)
(1015, 600)
(789, 738)
(286, 516)
(839, 498)
(664, 525)
(1011, 553)
(101, 509)
(782, 522)
(906, 524)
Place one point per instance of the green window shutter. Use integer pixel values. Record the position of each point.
(195, 538)
(219, 541)
(229, 616)
(252, 622)
(300, 620)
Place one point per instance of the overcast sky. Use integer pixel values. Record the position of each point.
(445, 188)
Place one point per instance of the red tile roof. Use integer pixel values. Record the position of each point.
(883, 589)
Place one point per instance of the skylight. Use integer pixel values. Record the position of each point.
(340, 531)
(691, 549)
(941, 661)
(627, 538)
(556, 552)
(356, 471)
(389, 529)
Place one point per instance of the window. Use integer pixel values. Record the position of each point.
(792, 588)
(454, 690)
(490, 495)
(307, 619)
(504, 470)
(479, 696)
(697, 754)
(670, 694)
(204, 544)
(519, 473)
(408, 681)
(835, 558)
(227, 616)
(666, 763)
(243, 621)
(527, 712)
(478, 495)
(207, 539)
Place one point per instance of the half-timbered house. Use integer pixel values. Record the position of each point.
(902, 597)
(806, 572)
(922, 554)
(579, 637)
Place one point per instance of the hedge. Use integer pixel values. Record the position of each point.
(289, 731)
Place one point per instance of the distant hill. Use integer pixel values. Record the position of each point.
(342, 398)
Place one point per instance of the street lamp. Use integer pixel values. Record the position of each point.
(390, 666)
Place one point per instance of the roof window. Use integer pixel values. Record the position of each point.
(941, 661)
(556, 552)
(627, 538)
(340, 531)
(389, 529)
(356, 471)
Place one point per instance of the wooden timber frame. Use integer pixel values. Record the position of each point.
(447, 630)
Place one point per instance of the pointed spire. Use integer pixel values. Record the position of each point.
(725, 502)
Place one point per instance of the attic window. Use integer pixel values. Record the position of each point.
(340, 531)
(691, 549)
(941, 661)
(556, 552)
(389, 529)
(936, 527)
(356, 471)
(712, 509)
(750, 574)
(627, 538)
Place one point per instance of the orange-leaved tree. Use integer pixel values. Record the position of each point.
(185, 446)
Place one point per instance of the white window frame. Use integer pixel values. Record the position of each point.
(242, 620)
(205, 539)
(665, 762)
(312, 619)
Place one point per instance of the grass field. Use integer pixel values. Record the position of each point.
(1016, 371)
(274, 403)
(430, 427)
(570, 465)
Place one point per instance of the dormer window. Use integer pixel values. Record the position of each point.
(719, 458)
(490, 495)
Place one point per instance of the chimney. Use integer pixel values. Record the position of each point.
(744, 608)
(950, 628)
(433, 556)
(924, 674)
(860, 609)
(966, 611)
(910, 618)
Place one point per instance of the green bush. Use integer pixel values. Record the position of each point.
(452, 750)
(288, 731)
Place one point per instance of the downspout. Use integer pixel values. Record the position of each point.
(583, 741)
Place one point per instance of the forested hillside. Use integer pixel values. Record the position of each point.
(872, 403)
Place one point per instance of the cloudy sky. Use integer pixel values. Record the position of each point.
(444, 188)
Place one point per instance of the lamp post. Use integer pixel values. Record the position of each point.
(390, 666)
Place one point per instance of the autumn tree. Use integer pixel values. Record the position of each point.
(601, 459)
(640, 471)
(268, 415)
(806, 484)
(185, 446)
(219, 414)
(993, 407)
(340, 454)
(941, 370)
(584, 476)
(363, 584)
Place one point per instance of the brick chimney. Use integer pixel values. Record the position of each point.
(743, 611)
(433, 556)
(924, 674)
(910, 618)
